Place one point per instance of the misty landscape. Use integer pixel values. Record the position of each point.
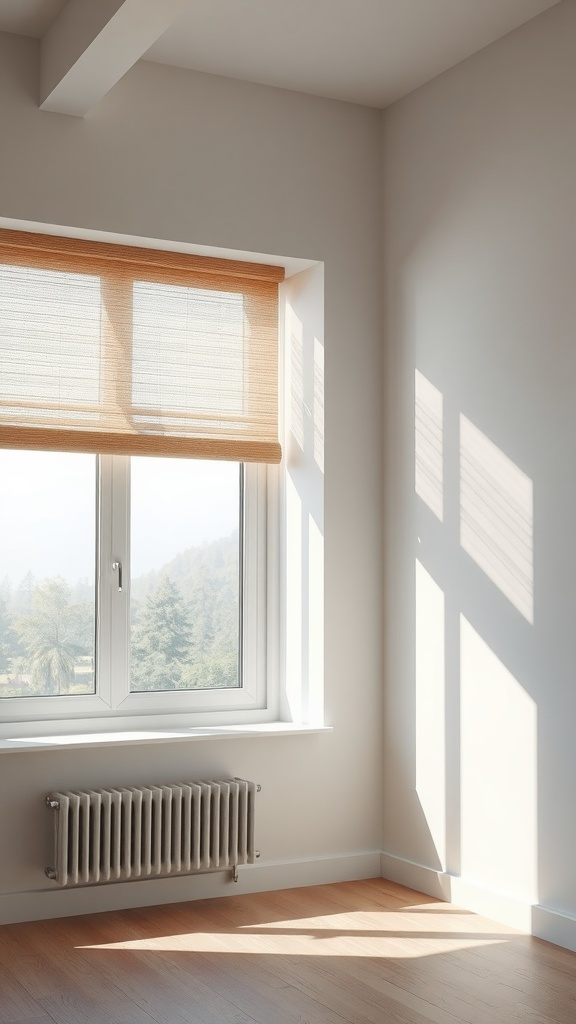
(184, 627)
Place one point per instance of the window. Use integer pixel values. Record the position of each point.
(132, 582)
(163, 604)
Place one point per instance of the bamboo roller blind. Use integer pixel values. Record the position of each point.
(116, 349)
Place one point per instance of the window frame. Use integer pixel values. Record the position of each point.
(113, 705)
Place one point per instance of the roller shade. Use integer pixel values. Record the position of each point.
(117, 349)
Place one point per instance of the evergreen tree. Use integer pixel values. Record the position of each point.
(161, 639)
(6, 639)
(203, 596)
(209, 577)
(24, 596)
(6, 590)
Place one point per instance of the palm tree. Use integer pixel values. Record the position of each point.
(50, 635)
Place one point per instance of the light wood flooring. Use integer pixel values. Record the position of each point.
(367, 952)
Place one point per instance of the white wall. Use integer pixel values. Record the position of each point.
(174, 155)
(480, 566)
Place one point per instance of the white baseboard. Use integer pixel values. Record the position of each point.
(554, 926)
(43, 904)
(543, 922)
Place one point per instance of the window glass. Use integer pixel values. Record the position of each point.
(185, 574)
(47, 574)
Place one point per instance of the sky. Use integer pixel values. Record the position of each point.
(48, 512)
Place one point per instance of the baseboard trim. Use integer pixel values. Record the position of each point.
(543, 922)
(43, 904)
(554, 926)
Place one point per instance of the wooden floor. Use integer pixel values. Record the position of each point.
(354, 953)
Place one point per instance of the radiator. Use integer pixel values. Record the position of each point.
(110, 835)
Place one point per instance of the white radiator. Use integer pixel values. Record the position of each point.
(110, 835)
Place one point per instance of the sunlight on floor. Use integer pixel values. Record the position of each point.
(385, 934)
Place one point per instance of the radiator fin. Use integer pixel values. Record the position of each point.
(140, 832)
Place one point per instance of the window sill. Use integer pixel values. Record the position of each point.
(81, 740)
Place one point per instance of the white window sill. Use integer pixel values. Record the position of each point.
(81, 740)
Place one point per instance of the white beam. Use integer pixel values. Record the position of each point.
(93, 43)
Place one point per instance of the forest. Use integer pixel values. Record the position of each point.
(184, 628)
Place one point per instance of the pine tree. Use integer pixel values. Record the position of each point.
(161, 639)
(24, 596)
(6, 639)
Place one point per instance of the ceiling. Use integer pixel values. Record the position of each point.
(363, 51)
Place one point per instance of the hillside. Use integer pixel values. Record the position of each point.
(185, 627)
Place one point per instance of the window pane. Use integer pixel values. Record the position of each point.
(47, 573)
(185, 574)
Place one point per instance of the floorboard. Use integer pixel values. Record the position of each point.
(367, 952)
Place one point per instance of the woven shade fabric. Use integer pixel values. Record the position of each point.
(117, 349)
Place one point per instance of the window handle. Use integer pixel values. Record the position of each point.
(117, 567)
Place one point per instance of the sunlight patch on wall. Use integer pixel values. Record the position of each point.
(294, 626)
(316, 623)
(496, 517)
(296, 409)
(430, 700)
(318, 414)
(428, 422)
(499, 772)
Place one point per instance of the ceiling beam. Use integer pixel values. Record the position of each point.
(93, 43)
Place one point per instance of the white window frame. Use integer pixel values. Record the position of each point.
(114, 706)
